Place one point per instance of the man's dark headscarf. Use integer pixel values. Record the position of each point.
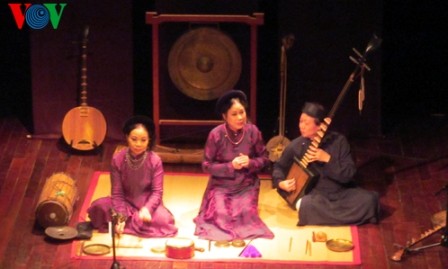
(314, 110)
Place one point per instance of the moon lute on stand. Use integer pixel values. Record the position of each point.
(84, 127)
(305, 177)
(277, 144)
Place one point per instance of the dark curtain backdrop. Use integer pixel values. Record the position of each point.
(40, 68)
(119, 60)
(55, 65)
(319, 65)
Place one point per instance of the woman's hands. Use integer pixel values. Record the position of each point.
(120, 222)
(119, 227)
(144, 214)
(240, 162)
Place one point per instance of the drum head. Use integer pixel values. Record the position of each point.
(61, 232)
(179, 242)
(52, 213)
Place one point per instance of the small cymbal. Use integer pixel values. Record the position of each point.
(222, 243)
(339, 245)
(61, 232)
(96, 249)
(239, 243)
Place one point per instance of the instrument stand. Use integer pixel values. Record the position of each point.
(97, 150)
(444, 239)
(157, 20)
(115, 263)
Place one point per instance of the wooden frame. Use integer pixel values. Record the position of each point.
(156, 19)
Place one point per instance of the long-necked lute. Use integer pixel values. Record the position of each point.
(304, 175)
(84, 127)
(398, 255)
(277, 144)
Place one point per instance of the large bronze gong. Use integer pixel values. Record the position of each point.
(204, 63)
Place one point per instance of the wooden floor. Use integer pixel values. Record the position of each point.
(407, 166)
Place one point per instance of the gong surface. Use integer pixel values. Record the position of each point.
(204, 63)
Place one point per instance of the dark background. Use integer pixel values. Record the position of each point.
(40, 68)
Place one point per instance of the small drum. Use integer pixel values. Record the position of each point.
(55, 205)
(180, 248)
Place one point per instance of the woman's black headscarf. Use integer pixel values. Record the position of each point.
(147, 122)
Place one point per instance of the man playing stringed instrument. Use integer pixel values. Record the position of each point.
(334, 198)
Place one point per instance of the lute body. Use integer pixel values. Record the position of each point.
(84, 128)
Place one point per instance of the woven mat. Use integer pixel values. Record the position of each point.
(182, 196)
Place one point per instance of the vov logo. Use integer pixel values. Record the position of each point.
(37, 16)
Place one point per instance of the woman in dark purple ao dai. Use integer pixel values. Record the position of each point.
(234, 153)
(137, 187)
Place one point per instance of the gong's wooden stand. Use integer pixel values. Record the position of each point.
(156, 19)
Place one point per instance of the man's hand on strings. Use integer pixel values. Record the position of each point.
(318, 154)
(288, 184)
